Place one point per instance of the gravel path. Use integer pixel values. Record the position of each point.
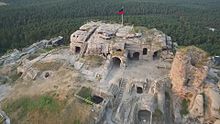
(4, 90)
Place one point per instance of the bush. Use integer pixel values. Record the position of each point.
(85, 92)
(184, 110)
(1, 120)
(157, 113)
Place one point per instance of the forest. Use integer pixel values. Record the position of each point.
(23, 22)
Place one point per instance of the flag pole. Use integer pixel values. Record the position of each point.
(122, 16)
(122, 19)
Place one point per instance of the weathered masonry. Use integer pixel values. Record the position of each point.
(118, 43)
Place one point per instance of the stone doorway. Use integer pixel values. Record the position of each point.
(116, 62)
(119, 50)
(144, 116)
(145, 51)
(139, 90)
(136, 56)
(77, 49)
(156, 55)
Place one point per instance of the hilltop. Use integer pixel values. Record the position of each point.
(110, 73)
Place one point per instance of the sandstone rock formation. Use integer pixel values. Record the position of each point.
(189, 69)
(213, 94)
(194, 79)
(16, 56)
(197, 109)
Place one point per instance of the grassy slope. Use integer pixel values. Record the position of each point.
(46, 110)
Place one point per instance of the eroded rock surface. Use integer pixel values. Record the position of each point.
(194, 81)
(189, 69)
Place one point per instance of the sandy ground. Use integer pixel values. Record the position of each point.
(142, 70)
(62, 84)
(59, 82)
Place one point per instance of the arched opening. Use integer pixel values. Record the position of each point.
(116, 62)
(77, 49)
(46, 75)
(139, 90)
(136, 56)
(156, 55)
(145, 51)
(144, 116)
(20, 73)
(96, 99)
(119, 50)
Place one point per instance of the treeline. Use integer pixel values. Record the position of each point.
(23, 22)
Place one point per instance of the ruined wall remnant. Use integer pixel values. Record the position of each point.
(189, 74)
(189, 69)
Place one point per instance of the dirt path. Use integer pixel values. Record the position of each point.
(4, 90)
(108, 115)
(168, 111)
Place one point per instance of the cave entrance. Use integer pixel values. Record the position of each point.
(145, 51)
(77, 49)
(96, 99)
(144, 116)
(47, 74)
(20, 73)
(116, 62)
(193, 62)
(136, 55)
(156, 55)
(119, 50)
(139, 90)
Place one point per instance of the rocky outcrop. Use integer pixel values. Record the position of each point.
(213, 94)
(188, 72)
(27, 72)
(194, 78)
(197, 109)
(217, 122)
(189, 69)
(16, 56)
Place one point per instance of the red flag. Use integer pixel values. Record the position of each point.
(121, 12)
